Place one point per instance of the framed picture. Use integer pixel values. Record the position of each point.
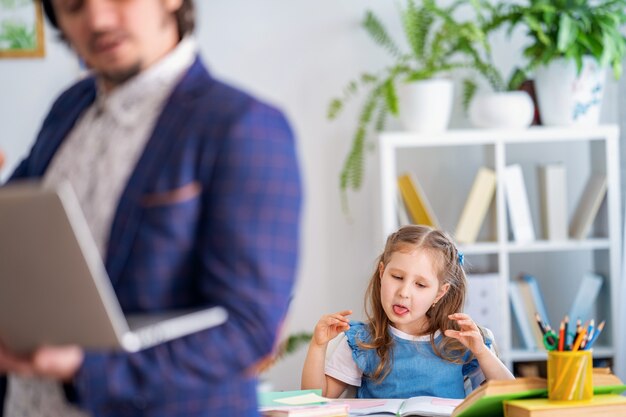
(21, 29)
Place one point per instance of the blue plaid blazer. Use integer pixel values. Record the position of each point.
(210, 216)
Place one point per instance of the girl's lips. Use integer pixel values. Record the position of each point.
(400, 310)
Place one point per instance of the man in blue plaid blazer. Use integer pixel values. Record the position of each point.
(209, 215)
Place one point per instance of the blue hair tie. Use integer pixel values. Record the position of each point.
(461, 258)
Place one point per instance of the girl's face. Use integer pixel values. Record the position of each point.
(409, 286)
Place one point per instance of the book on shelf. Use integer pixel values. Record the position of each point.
(585, 299)
(527, 369)
(401, 211)
(588, 206)
(553, 186)
(414, 406)
(530, 308)
(517, 204)
(476, 206)
(415, 201)
(488, 399)
(535, 291)
(598, 406)
(482, 301)
(518, 305)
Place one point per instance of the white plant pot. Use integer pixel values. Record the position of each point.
(508, 109)
(566, 98)
(426, 106)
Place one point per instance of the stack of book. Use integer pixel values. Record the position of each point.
(514, 398)
(599, 406)
(301, 403)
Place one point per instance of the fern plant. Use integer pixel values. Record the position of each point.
(439, 44)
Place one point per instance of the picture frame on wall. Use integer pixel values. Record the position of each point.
(21, 29)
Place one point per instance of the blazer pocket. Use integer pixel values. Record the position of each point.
(177, 195)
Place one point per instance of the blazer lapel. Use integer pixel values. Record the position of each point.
(168, 129)
(58, 124)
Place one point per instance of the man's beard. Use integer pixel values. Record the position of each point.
(116, 78)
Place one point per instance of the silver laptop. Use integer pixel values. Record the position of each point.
(54, 288)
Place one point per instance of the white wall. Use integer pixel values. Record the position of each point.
(297, 54)
(27, 89)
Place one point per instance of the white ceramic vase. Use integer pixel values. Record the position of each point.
(426, 106)
(507, 109)
(567, 98)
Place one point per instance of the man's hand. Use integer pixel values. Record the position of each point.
(55, 362)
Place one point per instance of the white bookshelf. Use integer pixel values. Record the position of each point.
(445, 164)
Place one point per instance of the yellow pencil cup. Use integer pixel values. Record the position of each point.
(570, 376)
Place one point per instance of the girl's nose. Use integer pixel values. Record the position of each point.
(403, 291)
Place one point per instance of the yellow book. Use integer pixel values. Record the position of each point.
(475, 209)
(415, 200)
(599, 406)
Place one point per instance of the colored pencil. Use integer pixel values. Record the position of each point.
(595, 335)
(561, 336)
(579, 339)
(565, 335)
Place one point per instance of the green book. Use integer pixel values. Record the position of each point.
(268, 399)
(488, 399)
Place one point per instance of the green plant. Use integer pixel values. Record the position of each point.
(286, 347)
(17, 36)
(569, 29)
(439, 43)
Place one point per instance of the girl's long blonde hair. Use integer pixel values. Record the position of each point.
(449, 271)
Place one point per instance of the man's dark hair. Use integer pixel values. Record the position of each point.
(185, 17)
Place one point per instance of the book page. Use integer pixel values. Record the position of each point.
(429, 406)
(390, 406)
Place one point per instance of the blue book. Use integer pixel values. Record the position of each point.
(540, 306)
(519, 311)
(585, 298)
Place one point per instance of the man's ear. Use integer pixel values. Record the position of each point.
(442, 291)
(381, 270)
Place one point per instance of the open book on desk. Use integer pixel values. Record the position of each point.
(415, 406)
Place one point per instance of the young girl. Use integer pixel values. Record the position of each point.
(416, 341)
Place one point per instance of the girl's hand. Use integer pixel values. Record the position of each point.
(330, 325)
(469, 334)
